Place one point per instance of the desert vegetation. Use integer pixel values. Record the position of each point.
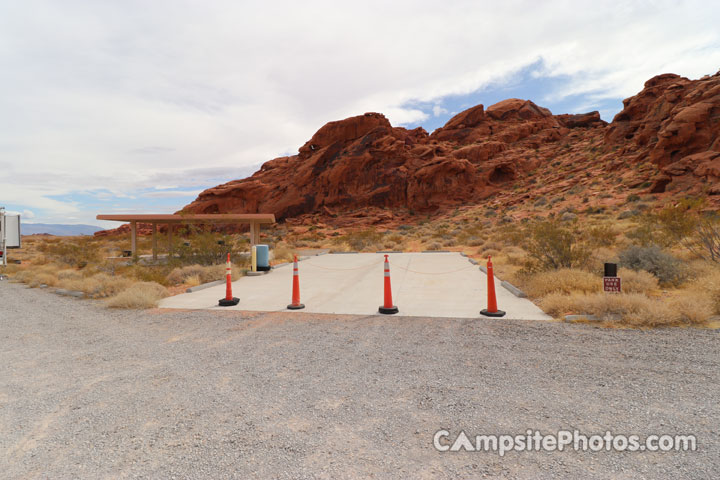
(96, 265)
(667, 254)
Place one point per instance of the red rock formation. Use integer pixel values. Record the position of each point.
(364, 170)
(675, 123)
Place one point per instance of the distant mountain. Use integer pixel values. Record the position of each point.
(58, 229)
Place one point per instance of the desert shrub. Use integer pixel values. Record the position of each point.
(10, 269)
(564, 280)
(551, 246)
(42, 278)
(637, 281)
(602, 305)
(708, 282)
(206, 248)
(601, 236)
(691, 308)
(396, 238)
(474, 241)
(362, 240)
(37, 275)
(488, 253)
(140, 295)
(204, 273)
(668, 269)
(492, 245)
(433, 246)
(107, 285)
(645, 233)
(679, 220)
(68, 274)
(704, 240)
(73, 251)
(155, 273)
(100, 285)
(282, 253)
(632, 309)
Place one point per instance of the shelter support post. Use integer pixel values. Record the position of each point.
(170, 240)
(133, 238)
(254, 233)
(154, 241)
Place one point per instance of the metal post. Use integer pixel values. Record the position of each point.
(3, 262)
(170, 240)
(154, 241)
(133, 238)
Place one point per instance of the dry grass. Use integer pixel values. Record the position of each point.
(282, 253)
(637, 281)
(565, 280)
(38, 275)
(100, 285)
(198, 273)
(140, 295)
(192, 275)
(633, 309)
(707, 280)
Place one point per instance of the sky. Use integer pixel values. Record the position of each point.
(137, 106)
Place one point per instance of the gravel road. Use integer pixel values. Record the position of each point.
(86, 392)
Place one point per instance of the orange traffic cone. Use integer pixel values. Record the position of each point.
(492, 310)
(388, 308)
(296, 305)
(229, 300)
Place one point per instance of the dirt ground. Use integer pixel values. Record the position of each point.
(87, 392)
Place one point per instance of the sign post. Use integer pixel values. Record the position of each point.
(611, 282)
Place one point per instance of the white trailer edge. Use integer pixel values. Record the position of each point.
(9, 234)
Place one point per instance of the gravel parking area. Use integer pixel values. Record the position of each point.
(86, 392)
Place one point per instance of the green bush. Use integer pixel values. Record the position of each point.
(207, 248)
(551, 246)
(74, 251)
(668, 269)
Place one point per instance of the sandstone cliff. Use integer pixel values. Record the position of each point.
(665, 141)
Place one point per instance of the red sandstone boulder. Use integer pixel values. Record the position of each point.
(581, 120)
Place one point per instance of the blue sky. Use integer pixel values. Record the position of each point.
(138, 106)
(527, 83)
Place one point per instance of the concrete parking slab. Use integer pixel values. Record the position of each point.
(424, 285)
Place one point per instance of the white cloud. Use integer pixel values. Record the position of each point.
(438, 110)
(172, 194)
(121, 97)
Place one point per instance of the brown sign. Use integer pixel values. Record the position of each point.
(611, 284)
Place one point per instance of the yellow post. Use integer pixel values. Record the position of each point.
(253, 259)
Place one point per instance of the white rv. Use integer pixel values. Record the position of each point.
(9, 233)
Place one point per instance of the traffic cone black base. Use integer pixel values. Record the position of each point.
(496, 313)
(388, 310)
(299, 306)
(224, 302)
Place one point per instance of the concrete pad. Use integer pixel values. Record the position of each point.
(437, 285)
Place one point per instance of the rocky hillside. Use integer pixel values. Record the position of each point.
(362, 170)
